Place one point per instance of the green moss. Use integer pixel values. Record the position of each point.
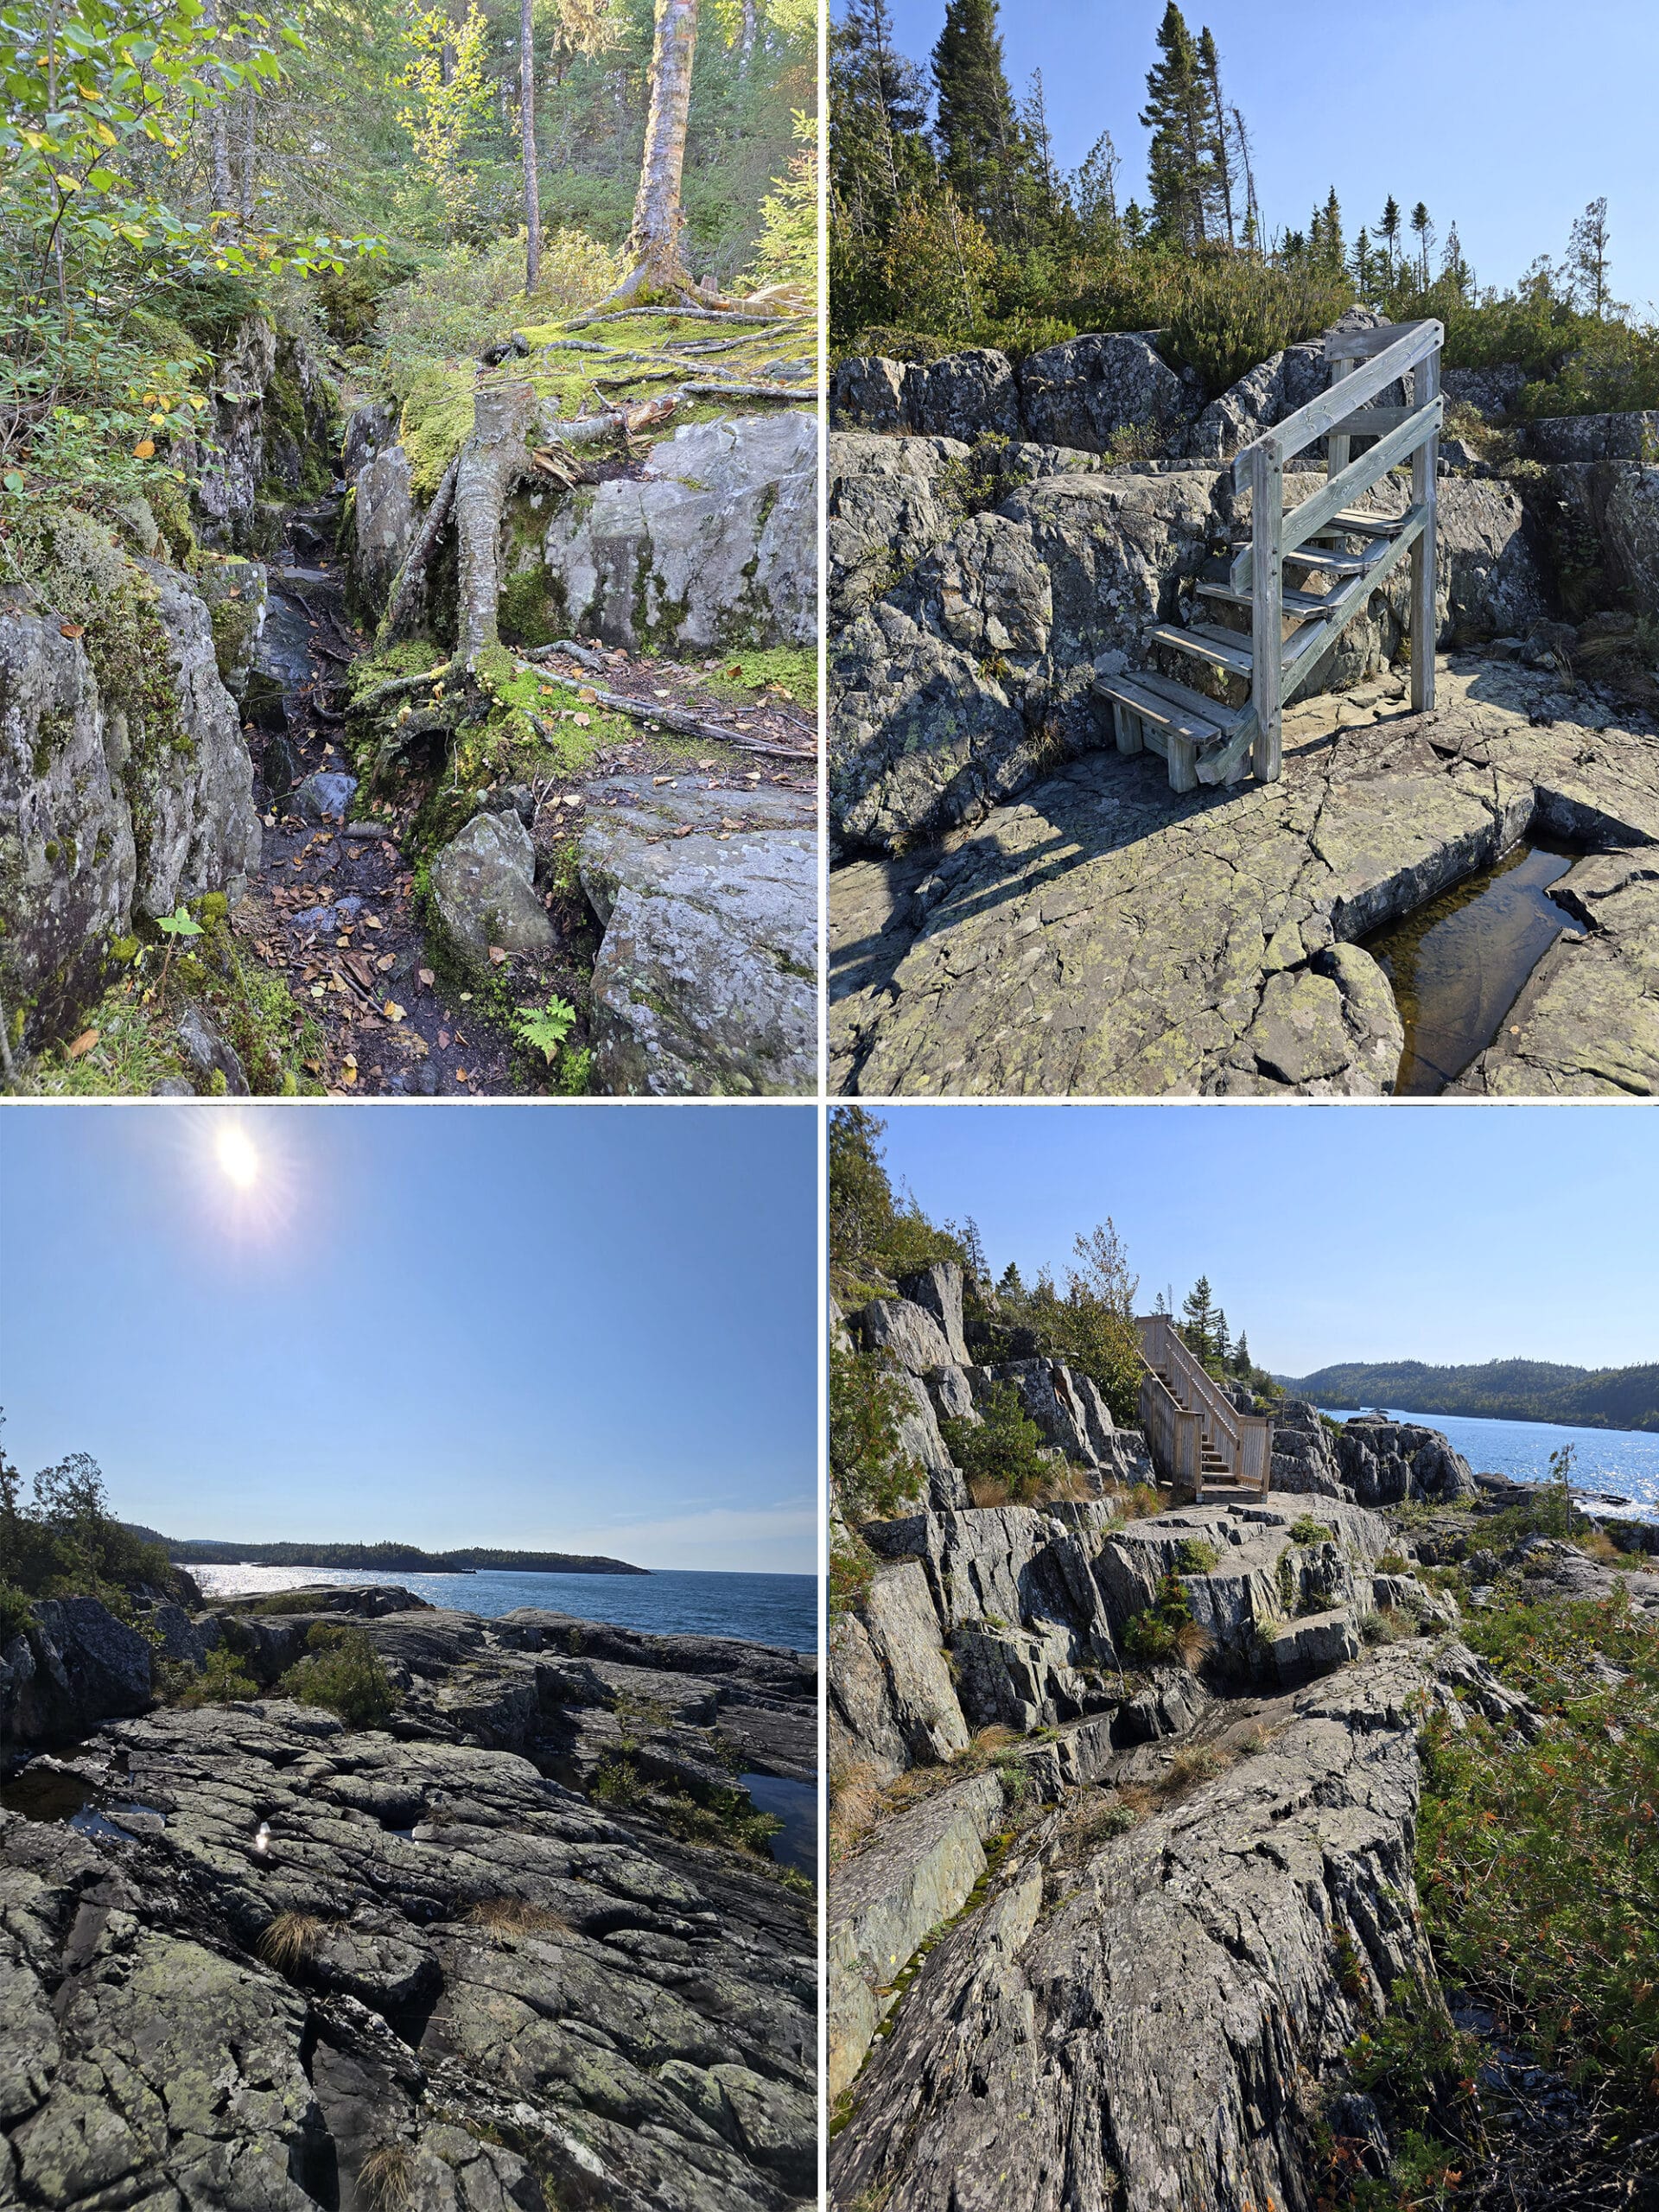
(436, 422)
(792, 669)
(170, 505)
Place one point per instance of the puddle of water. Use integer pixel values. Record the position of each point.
(796, 1804)
(1460, 964)
(42, 1794)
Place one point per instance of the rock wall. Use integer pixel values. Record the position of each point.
(1370, 1460)
(975, 590)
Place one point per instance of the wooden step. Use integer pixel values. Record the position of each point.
(1351, 522)
(1328, 564)
(1167, 706)
(1204, 641)
(1297, 605)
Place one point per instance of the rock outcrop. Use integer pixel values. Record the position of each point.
(277, 1961)
(705, 984)
(74, 1666)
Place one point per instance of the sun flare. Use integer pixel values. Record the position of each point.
(238, 1158)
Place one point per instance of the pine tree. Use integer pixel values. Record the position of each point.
(982, 147)
(978, 1267)
(1094, 195)
(1180, 172)
(1331, 252)
(1223, 1337)
(1242, 1360)
(1010, 1283)
(878, 114)
(1453, 265)
(1221, 159)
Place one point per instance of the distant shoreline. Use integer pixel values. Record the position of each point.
(390, 1558)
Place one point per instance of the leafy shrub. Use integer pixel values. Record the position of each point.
(1197, 1557)
(223, 1680)
(16, 1612)
(872, 1477)
(619, 1784)
(1305, 1529)
(1002, 1448)
(343, 1671)
(1156, 1633)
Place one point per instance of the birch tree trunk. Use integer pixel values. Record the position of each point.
(654, 239)
(218, 137)
(492, 461)
(533, 181)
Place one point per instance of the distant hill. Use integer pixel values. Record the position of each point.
(401, 1559)
(1502, 1389)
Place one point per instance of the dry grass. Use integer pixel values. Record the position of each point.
(855, 1804)
(1600, 1545)
(1194, 1644)
(387, 2179)
(1098, 1818)
(985, 1489)
(504, 1918)
(1133, 1501)
(292, 1938)
(859, 1798)
(1139, 1799)
(1193, 1764)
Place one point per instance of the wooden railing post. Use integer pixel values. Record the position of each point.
(1267, 604)
(1338, 442)
(1425, 494)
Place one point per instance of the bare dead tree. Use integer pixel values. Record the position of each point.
(527, 122)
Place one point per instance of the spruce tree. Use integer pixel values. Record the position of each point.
(1198, 1319)
(1423, 230)
(1180, 169)
(1221, 158)
(879, 153)
(982, 150)
(1388, 229)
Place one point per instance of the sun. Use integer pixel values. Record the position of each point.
(238, 1158)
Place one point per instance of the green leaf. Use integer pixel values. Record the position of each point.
(179, 924)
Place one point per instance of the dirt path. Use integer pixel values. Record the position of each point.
(333, 908)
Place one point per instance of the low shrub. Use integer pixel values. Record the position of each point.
(1306, 1530)
(1194, 1556)
(17, 1611)
(1161, 1632)
(343, 1671)
(223, 1680)
(1003, 1447)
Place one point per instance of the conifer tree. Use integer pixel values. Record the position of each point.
(980, 145)
(1180, 171)
(1198, 1315)
(878, 115)
(1423, 230)
(1388, 231)
(1221, 158)
(1588, 254)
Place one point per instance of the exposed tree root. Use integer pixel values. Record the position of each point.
(675, 718)
(408, 591)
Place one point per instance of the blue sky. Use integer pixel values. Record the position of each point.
(591, 1329)
(1441, 1233)
(1518, 113)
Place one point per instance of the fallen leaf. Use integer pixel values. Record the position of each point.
(71, 629)
(496, 955)
(386, 960)
(705, 764)
(684, 830)
(84, 1043)
(313, 1067)
(319, 990)
(460, 1074)
(658, 781)
(427, 977)
(443, 1040)
(143, 449)
(393, 1011)
(348, 1071)
(371, 922)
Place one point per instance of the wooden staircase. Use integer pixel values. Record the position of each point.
(1200, 1444)
(1270, 634)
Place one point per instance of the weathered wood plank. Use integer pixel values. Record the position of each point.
(1347, 599)
(1365, 345)
(1145, 695)
(1204, 642)
(1316, 513)
(1425, 494)
(1299, 605)
(1267, 581)
(1322, 414)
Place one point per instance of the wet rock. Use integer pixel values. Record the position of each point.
(279, 768)
(483, 885)
(324, 796)
(713, 544)
(705, 982)
(323, 921)
(1085, 392)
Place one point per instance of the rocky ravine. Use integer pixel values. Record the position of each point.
(1016, 909)
(1109, 1957)
(504, 1993)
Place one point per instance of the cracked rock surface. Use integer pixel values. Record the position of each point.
(1100, 934)
(533, 2001)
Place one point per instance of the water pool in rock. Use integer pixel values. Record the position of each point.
(1458, 964)
(796, 1804)
(46, 1794)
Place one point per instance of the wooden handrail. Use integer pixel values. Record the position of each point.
(1364, 363)
(1182, 1407)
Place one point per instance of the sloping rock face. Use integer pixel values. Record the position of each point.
(713, 543)
(538, 2003)
(112, 806)
(1100, 935)
(231, 469)
(705, 982)
(74, 1666)
(383, 522)
(1145, 2020)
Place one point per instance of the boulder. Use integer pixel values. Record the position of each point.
(230, 467)
(938, 1289)
(483, 888)
(713, 544)
(1315, 1645)
(371, 427)
(383, 521)
(985, 590)
(910, 1336)
(1633, 436)
(888, 500)
(892, 1702)
(1303, 1450)
(1086, 392)
(706, 979)
(1387, 1462)
(324, 796)
(1492, 392)
(67, 864)
(869, 393)
(965, 395)
(74, 1667)
(1264, 396)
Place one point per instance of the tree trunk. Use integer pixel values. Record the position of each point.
(247, 157)
(654, 239)
(492, 461)
(218, 138)
(409, 589)
(745, 42)
(533, 181)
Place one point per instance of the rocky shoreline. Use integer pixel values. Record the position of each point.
(1109, 1909)
(514, 1946)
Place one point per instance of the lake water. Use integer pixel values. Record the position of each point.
(1622, 1459)
(778, 1609)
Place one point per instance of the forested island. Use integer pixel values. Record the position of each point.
(402, 1559)
(1498, 1389)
